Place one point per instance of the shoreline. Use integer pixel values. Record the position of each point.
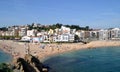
(86, 46)
(45, 51)
(8, 60)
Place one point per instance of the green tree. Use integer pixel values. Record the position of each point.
(5, 68)
(58, 25)
(30, 27)
(87, 28)
(4, 29)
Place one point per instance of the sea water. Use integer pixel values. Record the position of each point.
(5, 57)
(106, 59)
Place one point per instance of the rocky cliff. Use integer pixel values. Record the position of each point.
(28, 64)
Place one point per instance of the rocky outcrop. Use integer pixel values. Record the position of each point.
(29, 64)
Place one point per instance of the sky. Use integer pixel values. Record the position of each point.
(92, 13)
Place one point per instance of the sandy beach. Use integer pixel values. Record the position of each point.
(42, 51)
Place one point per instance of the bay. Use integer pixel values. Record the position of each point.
(104, 59)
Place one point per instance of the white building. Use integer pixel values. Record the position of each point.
(63, 38)
(94, 35)
(65, 30)
(103, 34)
(82, 35)
(115, 33)
(31, 32)
(72, 31)
(71, 37)
(22, 32)
(46, 38)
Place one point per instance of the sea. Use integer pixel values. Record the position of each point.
(5, 57)
(104, 59)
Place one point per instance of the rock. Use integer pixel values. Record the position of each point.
(29, 64)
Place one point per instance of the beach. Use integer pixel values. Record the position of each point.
(43, 51)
